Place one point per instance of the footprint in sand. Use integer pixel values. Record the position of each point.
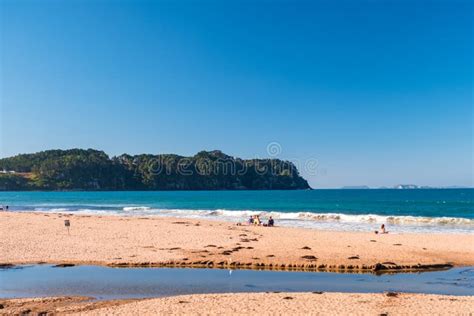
(353, 258)
(306, 248)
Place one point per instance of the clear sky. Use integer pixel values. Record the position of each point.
(379, 92)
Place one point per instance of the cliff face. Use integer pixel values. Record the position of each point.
(79, 169)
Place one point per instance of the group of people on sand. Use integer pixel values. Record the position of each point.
(255, 220)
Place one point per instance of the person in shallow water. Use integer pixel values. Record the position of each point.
(250, 220)
(382, 230)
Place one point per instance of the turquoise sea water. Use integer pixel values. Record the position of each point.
(444, 210)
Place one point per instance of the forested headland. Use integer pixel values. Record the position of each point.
(89, 169)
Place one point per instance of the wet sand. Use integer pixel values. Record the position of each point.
(254, 303)
(155, 241)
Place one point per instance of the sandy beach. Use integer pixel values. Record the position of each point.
(29, 237)
(253, 303)
(155, 241)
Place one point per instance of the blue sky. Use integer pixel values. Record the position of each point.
(379, 92)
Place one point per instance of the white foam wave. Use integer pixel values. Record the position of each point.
(331, 221)
(136, 208)
(339, 217)
(296, 216)
(63, 210)
(53, 210)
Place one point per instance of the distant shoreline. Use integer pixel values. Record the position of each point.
(196, 190)
(161, 190)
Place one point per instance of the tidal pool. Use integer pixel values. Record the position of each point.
(119, 283)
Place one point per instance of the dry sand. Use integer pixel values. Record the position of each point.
(114, 240)
(54, 305)
(255, 303)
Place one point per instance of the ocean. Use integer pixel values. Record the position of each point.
(417, 210)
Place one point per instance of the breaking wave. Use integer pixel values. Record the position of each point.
(329, 217)
(331, 221)
(136, 208)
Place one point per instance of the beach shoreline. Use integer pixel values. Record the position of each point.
(252, 303)
(125, 241)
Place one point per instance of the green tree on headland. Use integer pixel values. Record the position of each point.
(79, 169)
